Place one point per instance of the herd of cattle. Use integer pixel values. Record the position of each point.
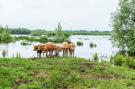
(52, 49)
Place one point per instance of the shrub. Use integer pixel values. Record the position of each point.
(95, 45)
(5, 36)
(92, 45)
(95, 58)
(79, 43)
(131, 62)
(43, 39)
(120, 60)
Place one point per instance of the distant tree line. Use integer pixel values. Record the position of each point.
(20, 31)
(40, 32)
(88, 32)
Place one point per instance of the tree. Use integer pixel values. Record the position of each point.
(59, 33)
(123, 23)
(5, 35)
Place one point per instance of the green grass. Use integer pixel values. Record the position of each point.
(63, 73)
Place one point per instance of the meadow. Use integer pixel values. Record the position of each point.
(118, 72)
(63, 73)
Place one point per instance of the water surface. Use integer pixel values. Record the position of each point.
(104, 48)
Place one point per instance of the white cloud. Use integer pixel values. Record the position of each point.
(73, 14)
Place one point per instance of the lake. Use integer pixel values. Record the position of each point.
(104, 48)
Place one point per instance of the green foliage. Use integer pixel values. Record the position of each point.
(43, 39)
(123, 22)
(63, 73)
(5, 36)
(92, 45)
(131, 62)
(38, 32)
(120, 60)
(79, 43)
(95, 57)
(63, 79)
(18, 55)
(27, 38)
(47, 36)
(60, 36)
(88, 32)
(20, 31)
(51, 34)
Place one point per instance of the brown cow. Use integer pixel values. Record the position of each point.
(65, 49)
(48, 47)
(71, 49)
(35, 48)
(58, 48)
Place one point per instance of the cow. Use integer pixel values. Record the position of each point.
(71, 49)
(35, 48)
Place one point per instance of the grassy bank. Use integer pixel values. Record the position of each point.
(63, 73)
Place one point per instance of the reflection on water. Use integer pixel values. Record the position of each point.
(104, 47)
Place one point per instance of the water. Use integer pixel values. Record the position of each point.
(104, 47)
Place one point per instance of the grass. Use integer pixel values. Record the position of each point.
(63, 73)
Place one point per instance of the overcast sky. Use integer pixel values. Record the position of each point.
(45, 14)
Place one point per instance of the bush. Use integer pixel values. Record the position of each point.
(38, 32)
(95, 58)
(26, 38)
(131, 62)
(120, 60)
(5, 36)
(79, 43)
(43, 39)
(92, 45)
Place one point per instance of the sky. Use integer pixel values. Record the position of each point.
(46, 14)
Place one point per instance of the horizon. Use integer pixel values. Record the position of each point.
(88, 15)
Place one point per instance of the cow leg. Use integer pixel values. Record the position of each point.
(46, 53)
(43, 54)
(37, 55)
(73, 53)
(50, 53)
(63, 53)
(66, 53)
